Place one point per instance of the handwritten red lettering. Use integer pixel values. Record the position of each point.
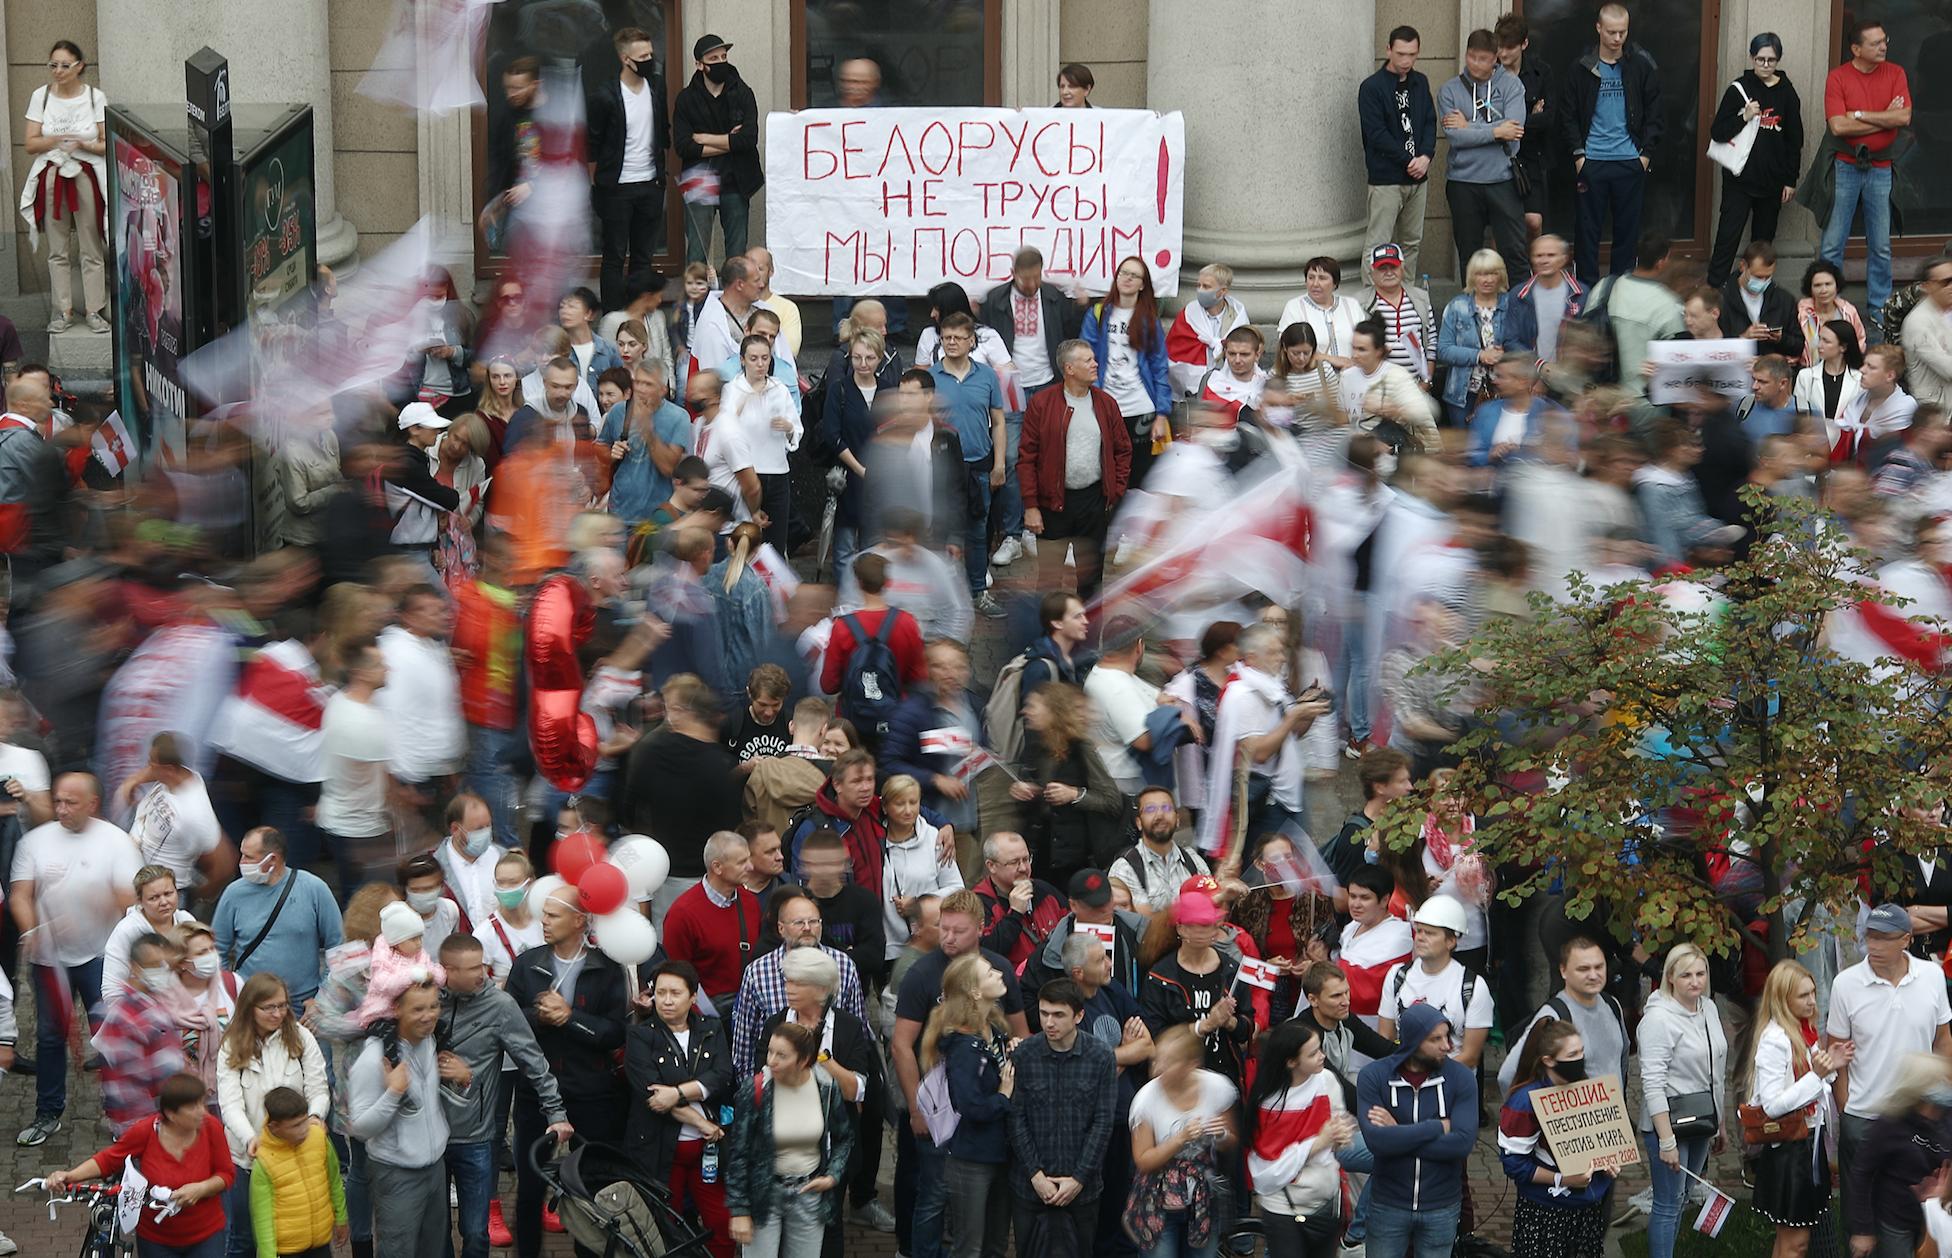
(809, 151)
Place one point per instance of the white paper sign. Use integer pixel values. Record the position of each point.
(1685, 368)
(894, 201)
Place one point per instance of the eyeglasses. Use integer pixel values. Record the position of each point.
(277, 1008)
(1158, 810)
(63, 65)
(801, 922)
(1764, 59)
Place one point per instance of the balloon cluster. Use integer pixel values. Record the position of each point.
(610, 884)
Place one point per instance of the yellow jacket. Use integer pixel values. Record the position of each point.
(297, 1193)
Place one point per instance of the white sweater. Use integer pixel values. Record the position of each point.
(241, 1093)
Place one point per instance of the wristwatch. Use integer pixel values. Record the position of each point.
(1857, 115)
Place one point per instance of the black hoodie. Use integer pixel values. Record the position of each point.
(1776, 161)
(697, 111)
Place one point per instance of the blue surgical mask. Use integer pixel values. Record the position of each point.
(423, 902)
(475, 842)
(1371, 856)
(1756, 287)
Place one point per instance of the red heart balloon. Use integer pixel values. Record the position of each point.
(604, 888)
(574, 855)
(562, 736)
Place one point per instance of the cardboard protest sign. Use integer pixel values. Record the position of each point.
(1585, 1125)
(1684, 368)
(893, 201)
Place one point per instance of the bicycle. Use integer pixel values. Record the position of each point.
(104, 1237)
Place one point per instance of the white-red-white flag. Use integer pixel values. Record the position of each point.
(1714, 1212)
(1104, 932)
(1258, 973)
(114, 448)
(950, 740)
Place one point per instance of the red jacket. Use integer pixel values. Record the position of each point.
(488, 629)
(1040, 452)
(1019, 936)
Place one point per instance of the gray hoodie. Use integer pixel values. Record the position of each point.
(480, 1029)
(1477, 156)
(404, 1129)
(1680, 1052)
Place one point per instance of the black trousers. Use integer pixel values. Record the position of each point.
(866, 1170)
(602, 1121)
(630, 218)
(776, 500)
(1739, 206)
(1082, 521)
(1055, 1231)
(1477, 206)
(1616, 188)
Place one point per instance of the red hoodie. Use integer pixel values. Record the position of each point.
(864, 835)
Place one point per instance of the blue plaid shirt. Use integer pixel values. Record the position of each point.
(762, 993)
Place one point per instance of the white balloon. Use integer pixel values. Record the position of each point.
(539, 891)
(626, 936)
(644, 862)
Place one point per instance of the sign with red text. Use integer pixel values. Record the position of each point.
(896, 201)
(1585, 1125)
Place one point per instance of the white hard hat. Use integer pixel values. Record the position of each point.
(1441, 910)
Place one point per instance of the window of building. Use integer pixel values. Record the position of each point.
(1921, 37)
(944, 53)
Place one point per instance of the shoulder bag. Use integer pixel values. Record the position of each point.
(1692, 1115)
(291, 880)
(1733, 155)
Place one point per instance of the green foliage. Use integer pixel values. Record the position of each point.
(1604, 721)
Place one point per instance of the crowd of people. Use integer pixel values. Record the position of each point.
(1014, 848)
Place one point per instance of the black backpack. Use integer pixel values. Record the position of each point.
(1469, 989)
(1596, 316)
(1136, 859)
(871, 690)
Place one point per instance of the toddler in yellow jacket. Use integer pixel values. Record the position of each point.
(298, 1198)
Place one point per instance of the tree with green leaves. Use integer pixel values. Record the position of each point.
(1697, 760)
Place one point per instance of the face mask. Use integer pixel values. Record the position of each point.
(1756, 287)
(206, 965)
(643, 69)
(719, 72)
(1371, 856)
(1940, 1096)
(1571, 1071)
(155, 977)
(475, 842)
(509, 897)
(423, 902)
(258, 873)
(1209, 298)
(1279, 416)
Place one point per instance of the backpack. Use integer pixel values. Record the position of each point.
(1563, 1011)
(1003, 714)
(1598, 317)
(937, 1110)
(1465, 992)
(871, 689)
(1136, 859)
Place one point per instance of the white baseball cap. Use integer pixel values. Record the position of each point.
(421, 415)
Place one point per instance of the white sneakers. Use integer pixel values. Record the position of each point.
(1008, 553)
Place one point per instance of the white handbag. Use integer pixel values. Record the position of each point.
(1734, 154)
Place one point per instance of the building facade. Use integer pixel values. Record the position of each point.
(1275, 171)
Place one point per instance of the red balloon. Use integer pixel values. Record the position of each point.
(575, 854)
(562, 736)
(604, 888)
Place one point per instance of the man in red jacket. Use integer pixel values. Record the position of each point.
(1073, 463)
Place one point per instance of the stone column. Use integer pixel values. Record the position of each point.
(278, 55)
(1030, 62)
(1274, 172)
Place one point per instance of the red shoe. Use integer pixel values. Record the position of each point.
(498, 1234)
(550, 1223)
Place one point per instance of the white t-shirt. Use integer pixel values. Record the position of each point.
(1083, 463)
(76, 878)
(473, 882)
(69, 115)
(352, 800)
(1152, 1106)
(727, 451)
(422, 702)
(1886, 1022)
(1444, 989)
(1121, 702)
(493, 951)
(115, 953)
(26, 764)
(1122, 379)
(175, 827)
(640, 163)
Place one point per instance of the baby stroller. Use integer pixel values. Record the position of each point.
(607, 1205)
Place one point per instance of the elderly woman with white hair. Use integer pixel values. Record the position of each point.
(1906, 1146)
(1683, 1074)
(1471, 335)
(847, 1056)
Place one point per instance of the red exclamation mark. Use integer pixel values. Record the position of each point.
(1165, 256)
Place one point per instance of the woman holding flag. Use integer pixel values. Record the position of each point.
(1287, 915)
(1195, 985)
(1561, 1214)
(1294, 1123)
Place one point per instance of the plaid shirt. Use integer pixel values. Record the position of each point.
(140, 1047)
(1062, 1112)
(762, 993)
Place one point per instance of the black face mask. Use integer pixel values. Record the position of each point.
(720, 71)
(645, 68)
(1571, 1071)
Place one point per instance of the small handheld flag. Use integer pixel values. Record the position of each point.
(1258, 973)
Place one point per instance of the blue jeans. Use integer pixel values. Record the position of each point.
(237, 1204)
(976, 529)
(1357, 1159)
(733, 210)
(211, 1246)
(1398, 1233)
(847, 544)
(359, 1203)
(472, 1169)
(1352, 666)
(1172, 1241)
(1670, 1192)
(492, 754)
(51, 1034)
(931, 1200)
(1872, 190)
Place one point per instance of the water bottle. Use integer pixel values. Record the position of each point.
(708, 1165)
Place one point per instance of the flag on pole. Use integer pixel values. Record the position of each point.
(699, 184)
(1258, 973)
(114, 448)
(1104, 932)
(949, 740)
(1714, 1212)
(975, 762)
